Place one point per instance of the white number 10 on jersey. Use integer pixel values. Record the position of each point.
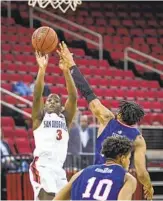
(98, 189)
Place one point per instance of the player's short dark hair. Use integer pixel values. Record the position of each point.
(131, 112)
(116, 146)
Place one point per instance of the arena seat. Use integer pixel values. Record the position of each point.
(11, 68)
(24, 69)
(27, 78)
(6, 86)
(130, 95)
(23, 146)
(7, 132)
(10, 99)
(7, 122)
(114, 105)
(11, 144)
(22, 133)
(82, 103)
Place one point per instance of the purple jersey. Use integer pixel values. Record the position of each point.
(114, 128)
(99, 182)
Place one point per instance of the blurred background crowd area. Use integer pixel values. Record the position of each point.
(138, 25)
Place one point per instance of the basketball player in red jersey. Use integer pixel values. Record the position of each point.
(123, 124)
(50, 129)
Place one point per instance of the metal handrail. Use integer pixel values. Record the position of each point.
(99, 44)
(15, 108)
(127, 58)
(8, 4)
(16, 96)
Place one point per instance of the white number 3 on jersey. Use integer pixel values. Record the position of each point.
(108, 184)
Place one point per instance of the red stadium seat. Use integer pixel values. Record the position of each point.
(28, 78)
(147, 119)
(159, 95)
(9, 58)
(150, 32)
(11, 67)
(110, 93)
(10, 100)
(123, 31)
(127, 23)
(117, 55)
(21, 133)
(119, 94)
(94, 82)
(10, 21)
(99, 92)
(152, 41)
(7, 132)
(103, 63)
(14, 77)
(140, 95)
(115, 22)
(99, 72)
(23, 146)
(154, 85)
(50, 79)
(157, 118)
(114, 83)
(106, 103)
(151, 95)
(114, 105)
(100, 22)
(130, 95)
(11, 144)
(126, 41)
(6, 47)
(156, 106)
(138, 40)
(24, 68)
(140, 23)
(101, 30)
(104, 82)
(50, 70)
(147, 106)
(6, 86)
(152, 23)
(7, 122)
(82, 103)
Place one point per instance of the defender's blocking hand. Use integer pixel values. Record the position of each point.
(65, 55)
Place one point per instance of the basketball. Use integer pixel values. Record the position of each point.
(44, 40)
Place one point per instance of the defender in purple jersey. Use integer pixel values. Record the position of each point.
(109, 181)
(122, 124)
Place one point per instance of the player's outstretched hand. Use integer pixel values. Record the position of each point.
(42, 60)
(62, 65)
(65, 55)
(148, 193)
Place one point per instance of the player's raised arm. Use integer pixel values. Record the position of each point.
(65, 192)
(128, 188)
(71, 102)
(42, 61)
(102, 113)
(140, 165)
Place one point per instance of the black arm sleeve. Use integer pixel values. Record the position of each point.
(82, 84)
